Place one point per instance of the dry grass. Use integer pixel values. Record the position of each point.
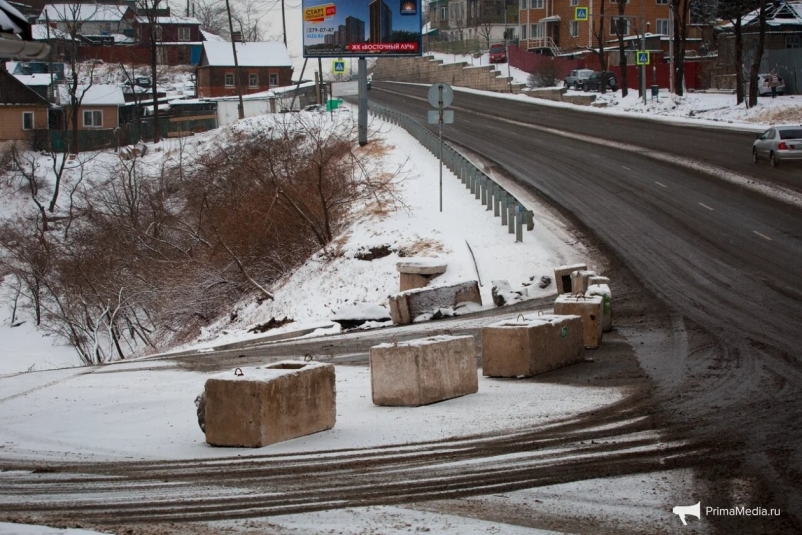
(791, 115)
(422, 247)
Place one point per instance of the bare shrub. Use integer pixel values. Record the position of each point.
(546, 74)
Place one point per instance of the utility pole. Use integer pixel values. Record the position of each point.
(283, 22)
(241, 106)
(507, 46)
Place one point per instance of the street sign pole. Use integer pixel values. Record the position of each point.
(440, 132)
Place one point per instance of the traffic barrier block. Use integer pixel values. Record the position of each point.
(531, 345)
(406, 306)
(420, 372)
(603, 291)
(579, 280)
(589, 309)
(255, 407)
(417, 272)
(562, 277)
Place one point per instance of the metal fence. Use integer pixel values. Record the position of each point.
(512, 212)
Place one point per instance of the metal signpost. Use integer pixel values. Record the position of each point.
(441, 96)
(642, 59)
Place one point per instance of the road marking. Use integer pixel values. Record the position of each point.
(627, 168)
(763, 187)
(705, 206)
(762, 235)
(660, 184)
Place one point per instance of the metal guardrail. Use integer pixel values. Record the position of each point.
(512, 212)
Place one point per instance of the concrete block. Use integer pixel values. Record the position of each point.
(598, 279)
(531, 345)
(269, 404)
(589, 309)
(417, 272)
(603, 291)
(407, 305)
(562, 277)
(579, 280)
(420, 372)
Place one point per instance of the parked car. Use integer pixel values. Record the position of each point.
(763, 87)
(498, 53)
(593, 83)
(778, 144)
(576, 78)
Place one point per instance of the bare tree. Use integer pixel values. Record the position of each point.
(598, 33)
(620, 26)
(757, 58)
(212, 17)
(153, 36)
(680, 10)
(734, 11)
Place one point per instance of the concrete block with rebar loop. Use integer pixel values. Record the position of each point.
(530, 345)
(420, 372)
(255, 407)
(579, 280)
(589, 309)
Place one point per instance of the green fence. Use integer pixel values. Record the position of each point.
(127, 134)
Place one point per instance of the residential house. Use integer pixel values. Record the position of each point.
(22, 110)
(99, 108)
(178, 38)
(98, 23)
(263, 66)
(482, 20)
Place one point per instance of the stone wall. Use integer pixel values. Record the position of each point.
(427, 70)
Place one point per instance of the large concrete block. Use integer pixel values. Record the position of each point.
(419, 372)
(531, 345)
(598, 279)
(269, 404)
(562, 277)
(406, 306)
(417, 272)
(579, 280)
(589, 309)
(603, 291)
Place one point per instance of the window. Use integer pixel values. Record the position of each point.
(183, 34)
(662, 2)
(27, 120)
(157, 33)
(273, 79)
(793, 41)
(574, 3)
(444, 13)
(229, 79)
(622, 23)
(573, 28)
(662, 27)
(537, 4)
(523, 4)
(253, 80)
(93, 118)
(537, 31)
(523, 32)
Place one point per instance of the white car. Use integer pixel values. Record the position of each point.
(763, 87)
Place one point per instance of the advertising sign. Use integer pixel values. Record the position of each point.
(361, 28)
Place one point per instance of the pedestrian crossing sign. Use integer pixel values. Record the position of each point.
(580, 13)
(338, 66)
(642, 57)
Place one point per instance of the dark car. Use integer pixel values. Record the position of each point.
(498, 53)
(594, 82)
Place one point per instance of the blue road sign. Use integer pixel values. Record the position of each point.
(642, 57)
(581, 13)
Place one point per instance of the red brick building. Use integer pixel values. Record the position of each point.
(263, 66)
(177, 38)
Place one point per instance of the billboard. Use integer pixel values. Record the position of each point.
(359, 28)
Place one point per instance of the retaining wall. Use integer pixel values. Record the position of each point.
(427, 70)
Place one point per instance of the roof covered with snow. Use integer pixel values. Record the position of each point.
(83, 12)
(209, 36)
(787, 13)
(34, 79)
(95, 95)
(265, 54)
(10, 18)
(39, 32)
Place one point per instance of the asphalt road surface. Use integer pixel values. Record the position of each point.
(708, 308)
(723, 259)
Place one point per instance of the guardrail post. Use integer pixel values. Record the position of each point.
(519, 227)
(511, 217)
(491, 191)
(474, 179)
(478, 191)
(484, 194)
(496, 201)
(504, 208)
(530, 220)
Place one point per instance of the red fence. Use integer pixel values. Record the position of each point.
(529, 62)
(115, 54)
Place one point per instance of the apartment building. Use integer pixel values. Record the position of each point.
(550, 27)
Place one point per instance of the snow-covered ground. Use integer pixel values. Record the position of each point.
(147, 411)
